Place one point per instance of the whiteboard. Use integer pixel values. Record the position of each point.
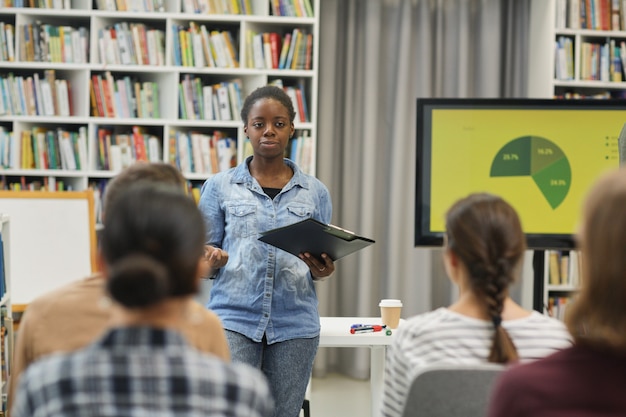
(52, 240)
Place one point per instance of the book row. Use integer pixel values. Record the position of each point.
(599, 61)
(198, 101)
(269, 51)
(35, 95)
(217, 6)
(42, 42)
(298, 8)
(564, 268)
(115, 149)
(201, 153)
(601, 95)
(557, 306)
(39, 148)
(7, 47)
(192, 152)
(131, 43)
(123, 97)
(591, 14)
(293, 8)
(197, 46)
(42, 4)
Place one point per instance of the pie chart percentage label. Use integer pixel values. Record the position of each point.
(540, 159)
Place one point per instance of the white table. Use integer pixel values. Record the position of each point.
(335, 332)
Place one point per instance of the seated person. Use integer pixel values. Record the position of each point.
(484, 247)
(589, 378)
(79, 312)
(152, 246)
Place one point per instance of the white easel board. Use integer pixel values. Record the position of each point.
(52, 240)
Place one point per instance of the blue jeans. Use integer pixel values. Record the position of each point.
(287, 366)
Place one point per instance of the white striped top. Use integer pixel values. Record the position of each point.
(443, 336)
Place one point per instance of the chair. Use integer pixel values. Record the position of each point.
(451, 390)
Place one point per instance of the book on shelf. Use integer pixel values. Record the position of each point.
(284, 51)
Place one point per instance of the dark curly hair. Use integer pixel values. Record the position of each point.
(271, 92)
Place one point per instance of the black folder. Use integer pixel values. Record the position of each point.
(316, 238)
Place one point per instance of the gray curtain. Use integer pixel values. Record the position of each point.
(378, 57)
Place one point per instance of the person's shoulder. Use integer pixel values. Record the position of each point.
(82, 289)
(202, 316)
(423, 322)
(541, 369)
(537, 319)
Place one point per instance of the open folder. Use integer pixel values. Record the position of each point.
(316, 238)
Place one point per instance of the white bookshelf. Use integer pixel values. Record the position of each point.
(562, 278)
(167, 77)
(555, 20)
(552, 21)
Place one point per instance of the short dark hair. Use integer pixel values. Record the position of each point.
(271, 92)
(152, 172)
(152, 241)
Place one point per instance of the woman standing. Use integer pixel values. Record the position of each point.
(264, 296)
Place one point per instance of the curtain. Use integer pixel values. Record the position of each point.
(378, 57)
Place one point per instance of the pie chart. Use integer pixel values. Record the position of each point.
(538, 158)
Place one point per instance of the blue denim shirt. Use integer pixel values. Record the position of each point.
(262, 289)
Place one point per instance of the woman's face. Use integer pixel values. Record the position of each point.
(269, 128)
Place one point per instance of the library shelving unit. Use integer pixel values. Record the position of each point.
(562, 279)
(6, 322)
(577, 49)
(110, 87)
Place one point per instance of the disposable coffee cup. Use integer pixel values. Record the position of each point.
(390, 311)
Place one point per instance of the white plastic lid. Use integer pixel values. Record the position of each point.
(390, 303)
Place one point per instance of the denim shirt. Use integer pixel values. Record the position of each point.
(262, 289)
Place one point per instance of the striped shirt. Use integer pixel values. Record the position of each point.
(443, 336)
(137, 372)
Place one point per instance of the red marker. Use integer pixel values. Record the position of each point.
(367, 329)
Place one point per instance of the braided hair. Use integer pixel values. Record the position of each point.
(485, 232)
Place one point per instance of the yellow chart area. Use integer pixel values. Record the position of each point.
(541, 162)
(539, 159)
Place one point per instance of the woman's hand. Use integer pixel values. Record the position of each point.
(215, 258)
(319, 269)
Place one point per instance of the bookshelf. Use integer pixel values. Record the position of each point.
(562, 272)
(577, 56)
(6, 324)
(103, 88)
(577, 49)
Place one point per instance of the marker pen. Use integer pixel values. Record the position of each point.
(367, 329)
(354, 326)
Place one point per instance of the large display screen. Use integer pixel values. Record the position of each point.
(540, 155)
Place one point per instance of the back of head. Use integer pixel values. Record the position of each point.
(152, 241)
(150, 172)
(598, 315)
(485, 233)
